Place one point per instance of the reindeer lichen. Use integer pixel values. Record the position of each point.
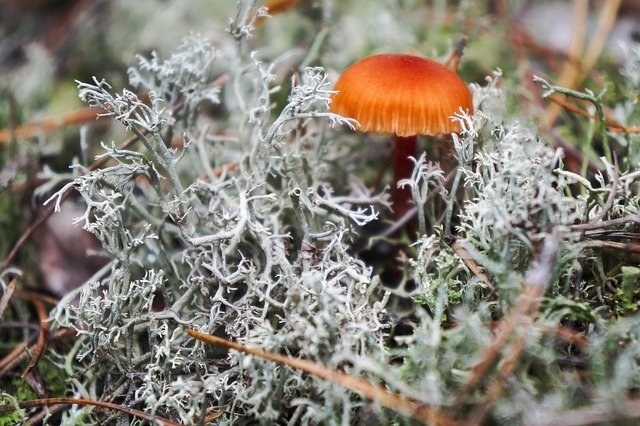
(237, 207)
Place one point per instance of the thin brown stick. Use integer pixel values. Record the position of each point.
(18, 325)
(15, 357)
(572, 153)
(32, 295)
(84, 115)
(570, 72)
(628, 247)
(573, 75)
(497, 385)
(40, 415)
(568, 335)
(609, 235)
(225, 168)
(374, 392)
(453, 61)
(35, 382)
(7, 295)
(524, 41)
(41, 343)
(472, 265)
(80, 116)
(275, 7)
(608, 15)
(212, 413)
(218, 171)
(279, 6)
(612, 193)
(613, 125)
(536, 282)
(528, 301)
(564, 333)
(606, 223)
(602, 414)
(76, 401)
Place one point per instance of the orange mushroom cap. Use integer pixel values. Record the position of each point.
(402, 94)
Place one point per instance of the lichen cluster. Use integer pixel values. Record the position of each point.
(238, 208)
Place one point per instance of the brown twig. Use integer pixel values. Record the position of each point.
(472, 265)
(613, 125)
(277, 6)
(212, 413)
(571, 336)
(34, 381)
(80, 116)
(527, 301)
(218, 171)
(606, 223)
(18, 325)
(603, 414)
(572, 153)
(536, 281)
(565, 333)
(523, 42)
(612, 193)
(225, 168)
(21, 351)
(574, 158)
(33, 295)
(611, 234)
(41, 343)
(571, 75)
(13, 358)
(628, 247)
(374, 392)
(609, 12)
(76, 401)
(7, 295)
(40, 415)
(497, 385)
(453, 61)
(84, 115)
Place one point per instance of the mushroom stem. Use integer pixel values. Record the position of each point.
(403, 168)
(453, 62)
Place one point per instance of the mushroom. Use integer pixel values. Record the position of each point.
(402, 94)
